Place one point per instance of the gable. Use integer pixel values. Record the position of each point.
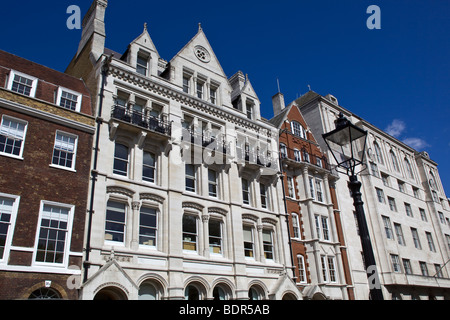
(145, 42)
(199, 52)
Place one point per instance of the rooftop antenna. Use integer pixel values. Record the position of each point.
(278, 83)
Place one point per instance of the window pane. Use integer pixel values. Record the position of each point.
(115, 221)
(52, 234)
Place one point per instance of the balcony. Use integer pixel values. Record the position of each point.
(298, 158)
(204, 140)
(257, 159)
(141, 120)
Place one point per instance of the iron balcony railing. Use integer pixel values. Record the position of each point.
(257, 157)
(205, 140)
(142, 120)
(303, 156)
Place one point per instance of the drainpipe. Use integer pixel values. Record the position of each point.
(99, 120)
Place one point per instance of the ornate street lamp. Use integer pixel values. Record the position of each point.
(347, 143)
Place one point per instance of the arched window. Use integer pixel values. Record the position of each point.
(44, 294)
(378, 153)
(432, 181)
(298, 130)
(147, 291)
(409, 168)
(255, 293)
(221, 292)
(394, 160)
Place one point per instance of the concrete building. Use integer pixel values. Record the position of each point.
(406, 209)
(46, 133)
(319, 252)
(186, 200)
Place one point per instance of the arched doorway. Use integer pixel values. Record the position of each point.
(110, 293)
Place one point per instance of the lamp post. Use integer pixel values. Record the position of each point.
(347, 144)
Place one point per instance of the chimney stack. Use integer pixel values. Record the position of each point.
(278, 103)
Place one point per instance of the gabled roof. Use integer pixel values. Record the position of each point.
(188, 52)
(307, 97)
(278, 120)
(145, 41)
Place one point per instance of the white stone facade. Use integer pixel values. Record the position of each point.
(168, 213)
(406, 209)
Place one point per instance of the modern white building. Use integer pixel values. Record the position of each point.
(406, 209)
(186, 197)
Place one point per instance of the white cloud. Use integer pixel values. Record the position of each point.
(416, 143)
(396, 128)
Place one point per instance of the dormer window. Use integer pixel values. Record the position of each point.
(69, 99)
(22, 83)
(298, 130)
(142, 63)
(249, 111)
(200, 87)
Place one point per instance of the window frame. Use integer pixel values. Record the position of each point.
(155, 228)
(191, 178)
(11, 225)
(301, 269)
(295, 226)
(124, 223)
(267, 244)
(79, 98)
(194, 234)
(68, 238)
(143, 56)
(34, 82)
(75, 149)
(246, 192)
(116, 171)
(298, 131)
(252, 236)
(149, 167)
(220, 238)
(22, 147)
(213, 184)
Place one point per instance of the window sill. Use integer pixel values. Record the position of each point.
(11, 156)
(62, 168)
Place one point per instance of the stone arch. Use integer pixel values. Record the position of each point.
(111, 291)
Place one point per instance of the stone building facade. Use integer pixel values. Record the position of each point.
(46, 135)
(406, 209)
(187, 202)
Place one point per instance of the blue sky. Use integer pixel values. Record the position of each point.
(397, 78)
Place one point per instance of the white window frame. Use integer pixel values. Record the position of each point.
(296, 226)
(79, 98)
(301, 269)
(291, 187)
(396, 265)
(68, 239)
(194, 178)
(12, 224)
(211, 250)
(298, 131)
(196, 234)
(154, 168)
(125, 222)
(34, 80)
(252, 234)
(75, 149)
(156, 226)
(271, 244)
(144, 56)
(25, 123)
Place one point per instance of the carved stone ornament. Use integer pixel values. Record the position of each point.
(202, 54)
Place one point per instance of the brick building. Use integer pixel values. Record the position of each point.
(318, 247)
(46, 134)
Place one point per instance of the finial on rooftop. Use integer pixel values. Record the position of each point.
(199, 26)
(145, 26)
